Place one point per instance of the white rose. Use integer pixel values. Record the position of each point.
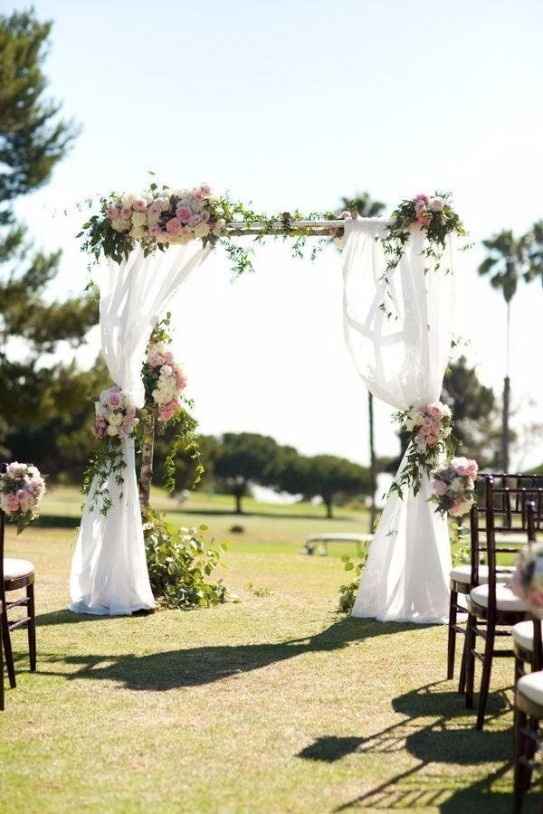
(137, 232)
(153, 217)
(116, 419)
(111, 430)
(128, 200)
(436, 204)
(139, 219)
(120, 225)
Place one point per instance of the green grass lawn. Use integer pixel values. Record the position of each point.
(271, 704)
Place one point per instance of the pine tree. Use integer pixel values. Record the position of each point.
(35, 392)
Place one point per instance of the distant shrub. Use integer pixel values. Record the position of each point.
(237, 529)
(180, 561)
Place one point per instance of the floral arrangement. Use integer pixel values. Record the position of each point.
(453, 487)
(115, 415)
(162, 217)
(115, 421)
(432, 214)
(527, 582)
(430, 428)
(21, 490)
(164, 380)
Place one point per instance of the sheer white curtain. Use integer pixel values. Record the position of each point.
(402, 359)
(109, 570)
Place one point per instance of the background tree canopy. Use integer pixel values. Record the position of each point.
(44, 404)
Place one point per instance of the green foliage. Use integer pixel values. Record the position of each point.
(43, 405)
(106, 461)
(185, 443)
(243, 458)
(347, 592)
(32, 137)
(475, 413)
(326, 476)
(180, 562)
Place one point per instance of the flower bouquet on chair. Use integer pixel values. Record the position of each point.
(453, 487)
(527, 582)
(21, 490)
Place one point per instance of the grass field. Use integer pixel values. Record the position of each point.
(271, 704)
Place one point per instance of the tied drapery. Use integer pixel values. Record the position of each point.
(399, 335)
(109, 569)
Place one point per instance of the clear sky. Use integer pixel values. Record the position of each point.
(292, 104)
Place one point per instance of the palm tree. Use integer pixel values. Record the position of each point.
(363, 205)
(507, 262)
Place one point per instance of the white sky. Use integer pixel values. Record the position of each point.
(292, 104)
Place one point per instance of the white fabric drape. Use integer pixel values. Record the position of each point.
(109, 570)
(402, 358)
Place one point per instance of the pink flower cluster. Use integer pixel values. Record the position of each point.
(115, 415)
(453, 487)
(168, 381)
(429, 424)
(177, 216)
(21, 490)
(527, 582)
(425, 207)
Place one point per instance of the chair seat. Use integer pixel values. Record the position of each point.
(523, 634)
(505, 598)
(16, 569)
(462, 573)
(531, 687)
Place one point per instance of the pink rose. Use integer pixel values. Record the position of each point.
(466, 467)
(12, 503)
(114, 399)
(434, 410)
(168, 357)
(180, 379)
(460, 507)
(173, 226)
(155, 359)
(155, 230)
(139, 205)
(125, 213)
(195, 220)
(184, 214)
(421, 198)
(26, 500)
(168, 410)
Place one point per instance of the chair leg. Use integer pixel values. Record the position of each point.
(470, 660)
(462, 679)
(485, 678)
(451, 642)
(519, 783)
(31, 627)
(8, 652)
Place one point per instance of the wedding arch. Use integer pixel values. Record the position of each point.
(398, 287)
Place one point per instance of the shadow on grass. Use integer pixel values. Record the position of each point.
(441, 740)
(56, 521)
(330, 748)
(267, 514)
(204, 665)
